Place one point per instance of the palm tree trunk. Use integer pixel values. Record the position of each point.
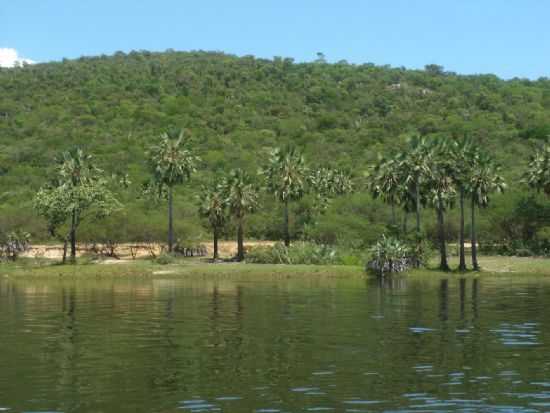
(475, 264)
(417, 199)
(170, 221)
(64, 258)
(216, 255)
(72, 236)
(462, 264)
(443, 265)
(287, 229)
(240, 241)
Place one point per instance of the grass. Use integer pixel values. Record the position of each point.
(180, 268)
(189, 267)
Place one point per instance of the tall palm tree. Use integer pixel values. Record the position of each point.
(462, 155)
(441, 193)
(212, 205)
(484, 180)
(171, 163)
(286, 177)
(385, 182)
(242, 198)
(414, 163)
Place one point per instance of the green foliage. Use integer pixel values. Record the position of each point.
(76, 192)
(298, 253)
(390, 255)
(171, 163)
(286, 174)
(236, 110)
(537, 175)
(165, 259)
(14, 243)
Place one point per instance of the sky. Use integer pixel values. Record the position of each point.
(510, 38)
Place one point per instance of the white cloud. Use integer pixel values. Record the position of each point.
(10, 58)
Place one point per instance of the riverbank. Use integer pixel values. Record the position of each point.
(195, 267)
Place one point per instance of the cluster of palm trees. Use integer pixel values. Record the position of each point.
(237, 195)
(437, 173)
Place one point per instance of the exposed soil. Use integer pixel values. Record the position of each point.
(125, 252)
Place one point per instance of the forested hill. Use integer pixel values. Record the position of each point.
(236, 109)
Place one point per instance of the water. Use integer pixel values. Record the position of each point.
(325, 345)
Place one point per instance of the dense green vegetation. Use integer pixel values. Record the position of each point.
(236, 111)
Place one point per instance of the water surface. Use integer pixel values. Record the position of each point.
(295, 345)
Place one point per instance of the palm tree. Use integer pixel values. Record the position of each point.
(286, 177)
(442, 192)
(415, 166)
(386, 182)
(171, 163)
(537, 175)
(462, 157)
(484, 180)
(242, 198)
(75, 170)
(212, 205)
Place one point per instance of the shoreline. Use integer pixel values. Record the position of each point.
(201, 268)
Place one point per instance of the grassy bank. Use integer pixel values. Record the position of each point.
(199, 268)
(181, 268)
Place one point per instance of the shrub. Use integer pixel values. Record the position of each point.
(165, 259)
(297, 253)
(14, 243)
(391, 255)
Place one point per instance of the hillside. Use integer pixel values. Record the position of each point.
(235, 109)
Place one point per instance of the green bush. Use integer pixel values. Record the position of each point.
(390, 255)
(300, 253)
(165, 259)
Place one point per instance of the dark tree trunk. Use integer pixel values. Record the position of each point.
(72, 236)
(240, 241)
(475, 264)
(170, 221)
(417, 199)
(405, 219)
(64, 259)
(443, 264)
(287, 229)
(462, 264)
(216, 255)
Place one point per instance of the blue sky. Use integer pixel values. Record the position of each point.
(506, 37)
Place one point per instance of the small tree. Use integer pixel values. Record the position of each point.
(286, 177)
(242, 199)
(212, 206)
(77, 192)
(171, 163)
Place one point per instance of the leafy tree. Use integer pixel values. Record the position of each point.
(77, 192)
(212, 206)
(286, 177)
(484, 180)
(242, 199)
(171, 163)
